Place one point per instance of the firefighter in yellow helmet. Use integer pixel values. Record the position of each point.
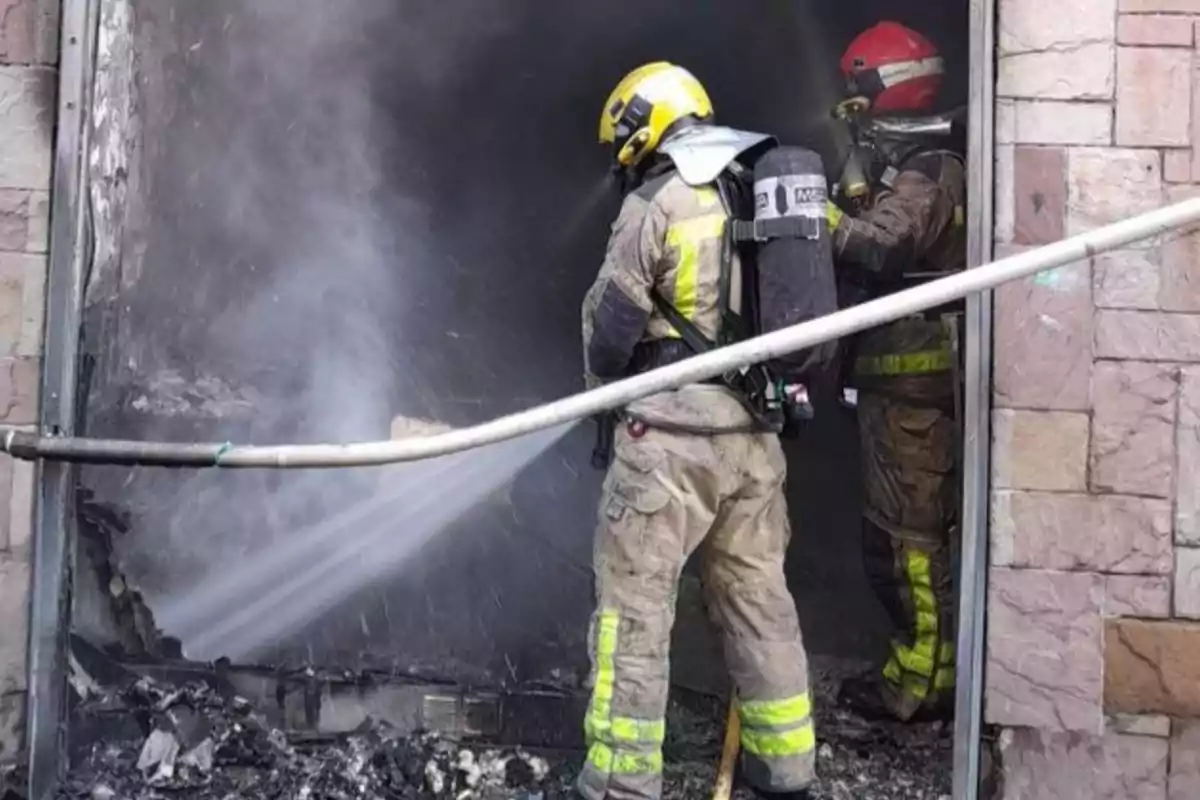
(692, 469)
(908, 178)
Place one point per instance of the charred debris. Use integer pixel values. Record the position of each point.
(147, 724)
(185, 732)
(173, 729)
(193, 741)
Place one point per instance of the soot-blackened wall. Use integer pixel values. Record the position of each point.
(343, 212)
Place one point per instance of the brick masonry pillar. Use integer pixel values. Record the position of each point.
(1093, 666)
(28, 82)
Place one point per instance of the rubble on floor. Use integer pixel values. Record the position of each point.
(860, 760)
(192, 743)
(203, 745)
(857, 760)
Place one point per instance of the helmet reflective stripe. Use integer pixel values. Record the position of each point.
(892, 74)
(894, 67)
(668, 86)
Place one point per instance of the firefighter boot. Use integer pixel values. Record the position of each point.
(739, 780)
(867, 696)
(799, 794)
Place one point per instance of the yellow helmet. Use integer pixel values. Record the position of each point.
(645, 104)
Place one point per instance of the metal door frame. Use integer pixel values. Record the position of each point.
(50, 584)
(977, 396)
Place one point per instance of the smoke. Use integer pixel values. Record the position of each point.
(818, 55)
(341, 212)
(289, 316)
(302, 193)
(282, 301)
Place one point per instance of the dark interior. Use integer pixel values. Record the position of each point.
(344, 211)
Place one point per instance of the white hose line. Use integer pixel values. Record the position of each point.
(621, 393)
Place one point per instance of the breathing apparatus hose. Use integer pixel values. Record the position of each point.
(30, 446)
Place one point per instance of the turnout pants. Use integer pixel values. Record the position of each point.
(665, 496)
(909, 515)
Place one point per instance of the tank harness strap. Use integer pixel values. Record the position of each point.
(761, 230)
(698, 343)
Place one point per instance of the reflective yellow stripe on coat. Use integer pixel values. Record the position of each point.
(905, 364)
(687, 237)
(833, 215)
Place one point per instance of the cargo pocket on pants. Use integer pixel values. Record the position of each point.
(637, 547)
(927, 440)
(633, 483)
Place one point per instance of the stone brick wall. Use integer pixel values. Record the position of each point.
(1093, 666)
(28, 52)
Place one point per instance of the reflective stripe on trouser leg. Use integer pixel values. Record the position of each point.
(764, 651)
(778, 741)
(917, 673)
(909, 484)
(624, 758)
(641, 545)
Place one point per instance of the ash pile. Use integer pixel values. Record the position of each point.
(192, 742)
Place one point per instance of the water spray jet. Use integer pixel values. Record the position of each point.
(231, 615)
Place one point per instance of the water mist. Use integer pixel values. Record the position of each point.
(302, 267)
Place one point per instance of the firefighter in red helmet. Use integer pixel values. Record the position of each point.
(899, 221)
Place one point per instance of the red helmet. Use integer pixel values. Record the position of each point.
(894, 67)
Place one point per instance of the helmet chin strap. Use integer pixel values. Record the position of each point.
(683, 124)
(625, 180)
(851, 108)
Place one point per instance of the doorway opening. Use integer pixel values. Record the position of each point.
(432, 179)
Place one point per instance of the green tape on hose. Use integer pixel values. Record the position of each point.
(221, 451)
